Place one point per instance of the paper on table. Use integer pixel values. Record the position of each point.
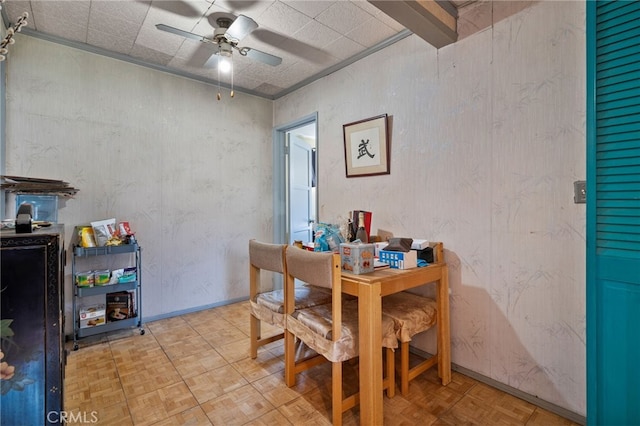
(377, 264)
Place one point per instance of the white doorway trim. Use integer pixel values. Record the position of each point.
(280, 183)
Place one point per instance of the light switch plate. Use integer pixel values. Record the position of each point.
(580, 192)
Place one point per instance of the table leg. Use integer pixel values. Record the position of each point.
(370, 335)
(444, 333)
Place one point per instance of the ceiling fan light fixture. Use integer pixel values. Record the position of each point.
(225, 57)
(224, 64)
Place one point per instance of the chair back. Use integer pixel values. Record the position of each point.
(321, 269)
(269, 257)
(264, 256)
(315, 268)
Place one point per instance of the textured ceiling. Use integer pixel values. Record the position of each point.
(313, 38)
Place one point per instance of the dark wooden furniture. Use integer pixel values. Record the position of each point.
(32, 303)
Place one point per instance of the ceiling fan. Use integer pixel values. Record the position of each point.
(227, 36)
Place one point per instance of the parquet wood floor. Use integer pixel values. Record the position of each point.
(195, 369)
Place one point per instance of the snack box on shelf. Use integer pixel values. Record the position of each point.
(119, 306)
(92, 316)
(85, 279)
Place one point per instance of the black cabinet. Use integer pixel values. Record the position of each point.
(32, 303)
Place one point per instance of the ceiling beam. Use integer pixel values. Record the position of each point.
(427, 19)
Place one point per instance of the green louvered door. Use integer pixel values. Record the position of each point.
(613, 213)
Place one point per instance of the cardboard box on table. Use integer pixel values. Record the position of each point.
(357, 258)
(399, 259)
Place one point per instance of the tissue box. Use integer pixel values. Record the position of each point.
(419, 244)
(399, 259)
(357, 258)
(92, 316)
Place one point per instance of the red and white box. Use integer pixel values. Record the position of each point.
(92, 316)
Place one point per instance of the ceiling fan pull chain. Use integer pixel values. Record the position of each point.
(231, 61)
(218, 67)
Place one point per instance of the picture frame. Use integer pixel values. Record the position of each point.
(366, 147)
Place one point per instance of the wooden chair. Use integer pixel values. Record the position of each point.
(330, 330)
(269, 305)
(413, 314)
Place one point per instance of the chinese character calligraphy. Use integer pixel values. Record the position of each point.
(366, 147)
(362, 149)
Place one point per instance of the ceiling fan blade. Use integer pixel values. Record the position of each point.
(182, 8)
(241, 27)
(212, 62)
(185, 34)
(203, 53)
(261, 56)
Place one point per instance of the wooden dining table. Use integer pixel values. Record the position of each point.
(370, 288)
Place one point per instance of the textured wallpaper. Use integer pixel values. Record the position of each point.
(488, 136)
(191, 174)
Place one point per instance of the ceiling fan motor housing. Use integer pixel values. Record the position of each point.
(220, 34)
(224, 22)
(224, 48)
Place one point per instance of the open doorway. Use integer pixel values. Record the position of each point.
(295, 180)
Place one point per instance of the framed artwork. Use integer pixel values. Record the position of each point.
(366, 147)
